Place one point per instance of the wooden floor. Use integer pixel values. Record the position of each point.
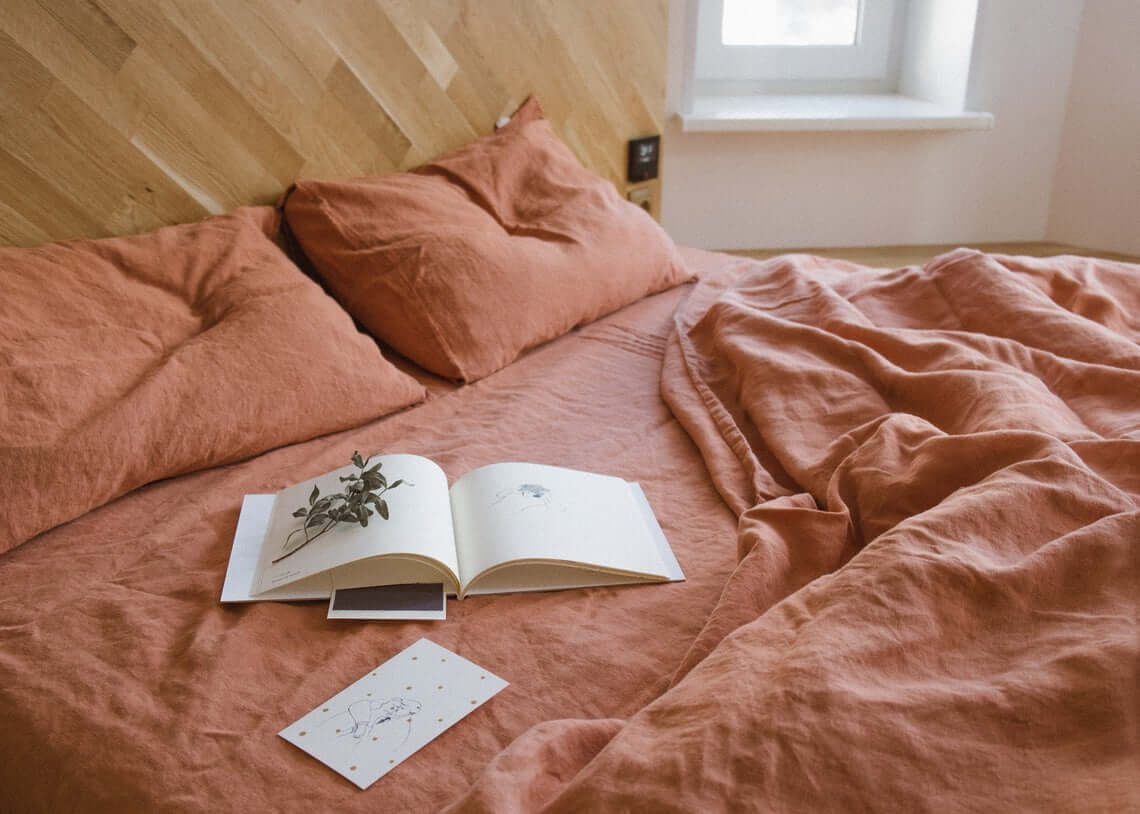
(894, 256)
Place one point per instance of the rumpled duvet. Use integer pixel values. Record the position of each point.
(936, 472)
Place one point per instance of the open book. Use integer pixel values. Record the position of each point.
(501, 528)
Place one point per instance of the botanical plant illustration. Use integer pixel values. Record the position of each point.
(363, 494)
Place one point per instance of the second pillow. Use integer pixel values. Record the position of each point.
(487, 251)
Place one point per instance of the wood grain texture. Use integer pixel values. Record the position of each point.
(119, 116)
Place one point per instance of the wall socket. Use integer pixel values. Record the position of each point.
(642, 196)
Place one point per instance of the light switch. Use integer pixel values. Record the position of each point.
(643, 158)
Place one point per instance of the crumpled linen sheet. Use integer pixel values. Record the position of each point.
(936, 472)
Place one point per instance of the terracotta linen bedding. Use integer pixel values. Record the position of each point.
(129, 359)
(125, 686)
(429, 261)
(937, 607)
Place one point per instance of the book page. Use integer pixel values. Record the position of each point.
(517, 512)
(241, 573)
(393, 569)
(552, 577)
(418, 524)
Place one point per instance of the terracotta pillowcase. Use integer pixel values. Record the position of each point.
(489, 250)
(127, 360)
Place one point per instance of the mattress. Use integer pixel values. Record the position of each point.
(906, 502)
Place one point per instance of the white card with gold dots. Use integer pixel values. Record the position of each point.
(368, 729)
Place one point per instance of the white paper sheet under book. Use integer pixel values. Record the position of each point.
(372, 726)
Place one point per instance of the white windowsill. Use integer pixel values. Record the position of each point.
(826, 112)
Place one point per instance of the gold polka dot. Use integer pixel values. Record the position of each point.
(352, 768)
(413, 659)
(391, 761)
(375, 738)
(471, 702)
(369, 695)
(326, 709)
(408, 687)
(439, 686)
(439, 719)
(482, 677)
(443, 659)
(301, 733)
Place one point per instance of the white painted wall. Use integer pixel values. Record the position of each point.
(784, 190)
(1096, 190)
(936, 61)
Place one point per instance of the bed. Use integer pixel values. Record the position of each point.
(907, 504)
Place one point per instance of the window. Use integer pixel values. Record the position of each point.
(771, 45)
(781, 22)
(823, 64)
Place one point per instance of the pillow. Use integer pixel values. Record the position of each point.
(131, 359)
(469, 260)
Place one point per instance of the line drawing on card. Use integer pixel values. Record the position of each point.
(387, 722)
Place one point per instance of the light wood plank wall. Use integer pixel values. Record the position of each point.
(119, 116)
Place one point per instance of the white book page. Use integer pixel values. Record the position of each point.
(419, 524)
(547, 577)
(390, 570)
(241, 573)
(526, 512)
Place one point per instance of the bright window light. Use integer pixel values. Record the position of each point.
(790, 22)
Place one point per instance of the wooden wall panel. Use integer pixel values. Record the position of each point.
(118, 116)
